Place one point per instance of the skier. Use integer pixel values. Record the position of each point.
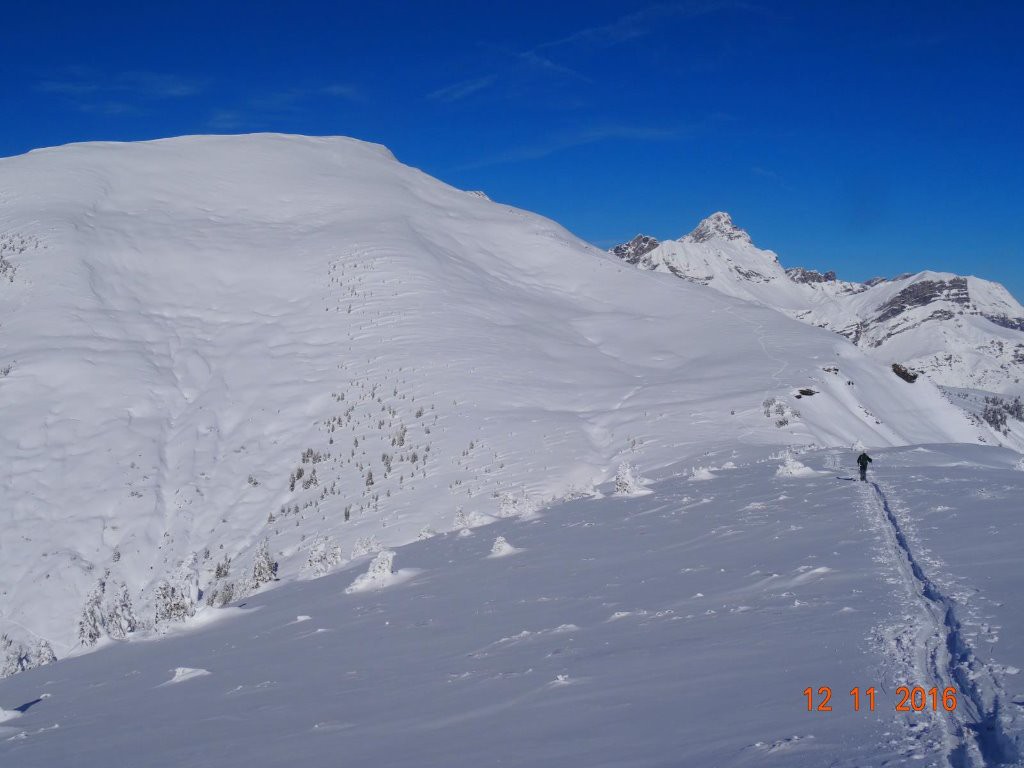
(863, 460)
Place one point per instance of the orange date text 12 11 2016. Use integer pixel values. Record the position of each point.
(909, 699)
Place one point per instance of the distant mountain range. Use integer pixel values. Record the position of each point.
(961, 332)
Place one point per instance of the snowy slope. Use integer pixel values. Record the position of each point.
(192, 328)
(960, 331)
(679, 627)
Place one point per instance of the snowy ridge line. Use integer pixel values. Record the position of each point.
(982, 740)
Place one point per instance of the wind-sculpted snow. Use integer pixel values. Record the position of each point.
(211, 342)
(676, 628)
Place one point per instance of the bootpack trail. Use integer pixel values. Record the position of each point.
(973, 734)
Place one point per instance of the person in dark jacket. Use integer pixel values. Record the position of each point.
(863, 460)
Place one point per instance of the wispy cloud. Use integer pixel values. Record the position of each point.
(591, 135)
(542, 62)
(227, 120)
(549, 57)
(150, 85)
(638, 24)
(341, 91)
(274, 104)
(460, 90)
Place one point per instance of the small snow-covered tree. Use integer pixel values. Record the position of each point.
(13, 656)
(171, 604)
(177, 598)
(92, 620)
(501, 547)
(16, 657)
(264, 566)
(120, 620)
(324, 555)
(221, 591)
(223, 568)
(365, 545)
(41, 654)
(626, 481)
(377, 575)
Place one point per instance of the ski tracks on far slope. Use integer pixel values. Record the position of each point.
(929, 648)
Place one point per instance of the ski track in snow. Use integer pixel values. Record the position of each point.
(973, 735)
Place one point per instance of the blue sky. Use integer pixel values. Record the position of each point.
(869, 137)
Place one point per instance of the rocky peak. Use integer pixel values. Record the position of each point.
(801, 275)
(633, 251)
(717, 226)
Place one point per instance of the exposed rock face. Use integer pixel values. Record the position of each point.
(633, 251)
(801, 275)
(717, 225)
(1014, 323)
(923, 293)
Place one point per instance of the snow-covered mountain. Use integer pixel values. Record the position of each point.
(209, 342)
(962, 332)
(229, 359)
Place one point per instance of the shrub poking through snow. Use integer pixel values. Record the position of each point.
(626, 481)
(378, 575)
(779, 412)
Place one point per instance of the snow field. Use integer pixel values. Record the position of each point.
(628, 631)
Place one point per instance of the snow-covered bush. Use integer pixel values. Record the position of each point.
(120, 619)
(17, 657)
(501, 548)
(92, 619)
(220, 594)
(171, 603)
(264, 566)
(790, 467)
(377, 575)
(324, 556)
(367, 545)
(177, 598)
(515, 505)
(222, 590)
(627, 482)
